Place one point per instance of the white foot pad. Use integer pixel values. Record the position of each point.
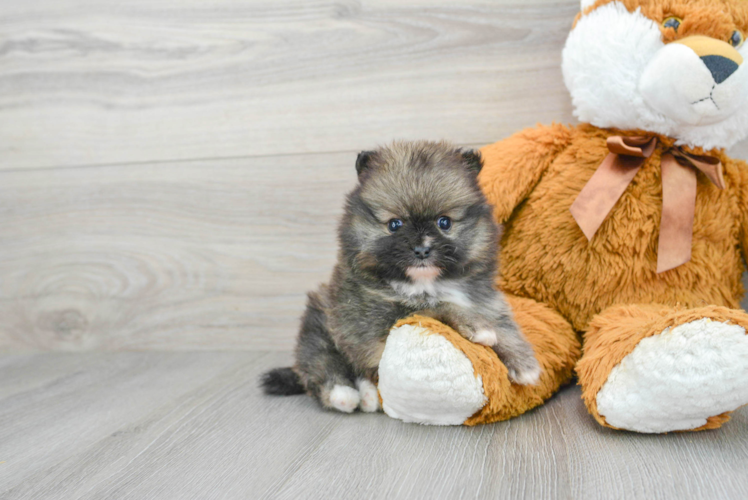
(424, 378)
(344, 398)
(676, 380)
(369, 395)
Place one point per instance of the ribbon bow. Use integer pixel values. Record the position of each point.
(615, 173)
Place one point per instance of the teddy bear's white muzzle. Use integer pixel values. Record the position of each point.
(695, 89)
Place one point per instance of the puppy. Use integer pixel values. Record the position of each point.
(417, 237)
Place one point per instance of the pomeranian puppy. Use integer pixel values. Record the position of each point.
(417, 237)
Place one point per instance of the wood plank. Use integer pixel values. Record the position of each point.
(522, 458)
(220, 438)
(194, 425)
(24, 372)
(557, 451)
(94, 397)
(708, 464)
(190, 255)
(87, 82)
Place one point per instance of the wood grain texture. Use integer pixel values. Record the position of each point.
(168, 170)
(171, 174)
(193, 425)
(89, 82)
(192, 255)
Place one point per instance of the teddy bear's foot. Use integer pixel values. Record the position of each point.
(424, 378)
(687, 377)
(431, 374)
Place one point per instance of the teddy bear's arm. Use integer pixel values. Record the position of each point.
(741, 167)
(513, 166)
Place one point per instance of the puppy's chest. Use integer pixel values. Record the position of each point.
(421, 294)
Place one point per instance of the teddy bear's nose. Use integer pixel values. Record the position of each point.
(720, 58)
(720, 67)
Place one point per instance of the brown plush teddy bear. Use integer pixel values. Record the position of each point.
(629, 231)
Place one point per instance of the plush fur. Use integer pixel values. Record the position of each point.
(642, 80)
(547, 257)
(628, 74)
(688, 365)
(419, 381)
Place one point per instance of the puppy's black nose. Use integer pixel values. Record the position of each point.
(720, 67)
(422, 252)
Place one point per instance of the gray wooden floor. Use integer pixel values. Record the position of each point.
(193, 425)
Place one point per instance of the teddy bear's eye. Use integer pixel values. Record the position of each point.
(672, 22)
(736, 40)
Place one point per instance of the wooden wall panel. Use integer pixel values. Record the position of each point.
(101, 82)
(171, 172)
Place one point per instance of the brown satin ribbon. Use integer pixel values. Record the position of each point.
(615, 173)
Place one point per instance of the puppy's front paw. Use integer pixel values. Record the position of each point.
(525, 377)
(344, 398)
(523, 370)
(369, 395)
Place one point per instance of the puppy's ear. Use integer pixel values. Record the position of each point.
(362, 161)
(473, 161)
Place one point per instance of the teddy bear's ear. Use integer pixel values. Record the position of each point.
(473, 161)
(363, 160)
(587, 3)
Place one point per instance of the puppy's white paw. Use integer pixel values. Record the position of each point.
(344, 398)
(525, 377)
(369, 395)
(485, 337)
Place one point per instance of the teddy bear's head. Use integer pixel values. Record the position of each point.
(672, 67)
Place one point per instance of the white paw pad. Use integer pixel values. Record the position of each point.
(344, 398)
(369, 395)
(485, 337)
(678, 379)
(424, 378)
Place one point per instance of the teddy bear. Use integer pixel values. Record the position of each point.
(625, 237)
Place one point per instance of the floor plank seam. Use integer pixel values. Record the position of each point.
(483, 463)
(169, 161)
(307, 456)
(180, 423)
(567, 462)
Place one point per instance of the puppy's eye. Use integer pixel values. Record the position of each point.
(444, 223)
(394, 224)
(672, 22)
(736, 40)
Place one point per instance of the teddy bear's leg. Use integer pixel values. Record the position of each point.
(430, 374)
(651, 368)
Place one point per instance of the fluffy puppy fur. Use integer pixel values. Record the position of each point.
(417, 236)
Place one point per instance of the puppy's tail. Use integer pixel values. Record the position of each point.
(281, 382)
